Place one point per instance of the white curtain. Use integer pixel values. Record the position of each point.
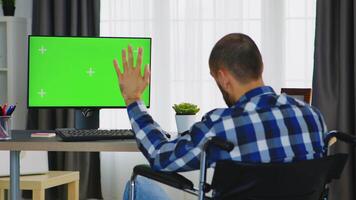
(183, 33)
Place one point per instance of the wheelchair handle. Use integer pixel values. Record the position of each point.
(220, 143)
(340, 136)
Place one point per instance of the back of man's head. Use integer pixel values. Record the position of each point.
(239, 54)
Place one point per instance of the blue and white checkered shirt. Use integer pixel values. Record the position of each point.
(264, 127)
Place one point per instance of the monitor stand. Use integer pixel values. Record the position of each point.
(87, 118)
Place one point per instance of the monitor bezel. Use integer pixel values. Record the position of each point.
(97, 107)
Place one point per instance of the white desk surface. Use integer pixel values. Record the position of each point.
(22, 141)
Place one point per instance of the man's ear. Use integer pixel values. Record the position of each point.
(224, 78)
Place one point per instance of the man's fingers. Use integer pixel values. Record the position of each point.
(130, 60)
(147, 74)
(124, 60)
(139, 59)
(117, 69)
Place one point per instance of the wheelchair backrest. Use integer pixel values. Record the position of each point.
(300, 180)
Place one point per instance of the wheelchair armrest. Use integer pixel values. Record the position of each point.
(220, 143)
(340, 136)
(169, 178)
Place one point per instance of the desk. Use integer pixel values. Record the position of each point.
(22, 141)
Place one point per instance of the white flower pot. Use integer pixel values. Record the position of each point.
(184, 122)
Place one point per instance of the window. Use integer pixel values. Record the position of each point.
(300, 33)
(183, 33)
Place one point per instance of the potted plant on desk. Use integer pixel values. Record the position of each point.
(185, 116)
(8, 6)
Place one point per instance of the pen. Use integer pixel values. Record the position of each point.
(9, 112)
(4, 109)
(9, 108)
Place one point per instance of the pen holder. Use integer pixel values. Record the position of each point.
(5, 127)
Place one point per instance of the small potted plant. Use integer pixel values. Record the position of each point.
(8, 6)
(185, 116)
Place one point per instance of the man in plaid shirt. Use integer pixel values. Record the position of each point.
(264, 126)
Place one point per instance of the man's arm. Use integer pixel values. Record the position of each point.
(178, 155)
(181, 154)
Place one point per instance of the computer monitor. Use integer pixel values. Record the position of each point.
(78, 72)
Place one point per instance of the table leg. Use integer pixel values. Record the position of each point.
(14, 175)
(2, 194)
(73, 190)
(38, 194)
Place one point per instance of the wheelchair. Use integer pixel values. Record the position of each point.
(299, 180)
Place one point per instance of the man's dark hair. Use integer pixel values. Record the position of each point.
(238, 53)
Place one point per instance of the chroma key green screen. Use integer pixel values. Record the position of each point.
(78, 71)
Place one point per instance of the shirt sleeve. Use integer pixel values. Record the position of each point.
(181, 154)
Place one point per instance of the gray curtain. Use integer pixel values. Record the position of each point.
(68, 18)
(334, 81)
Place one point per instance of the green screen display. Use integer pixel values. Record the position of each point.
(78, 71)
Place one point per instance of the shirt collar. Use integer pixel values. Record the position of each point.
(259, 91)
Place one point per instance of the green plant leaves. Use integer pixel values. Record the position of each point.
(186, 109)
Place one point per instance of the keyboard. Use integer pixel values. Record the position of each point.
(73, 135)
